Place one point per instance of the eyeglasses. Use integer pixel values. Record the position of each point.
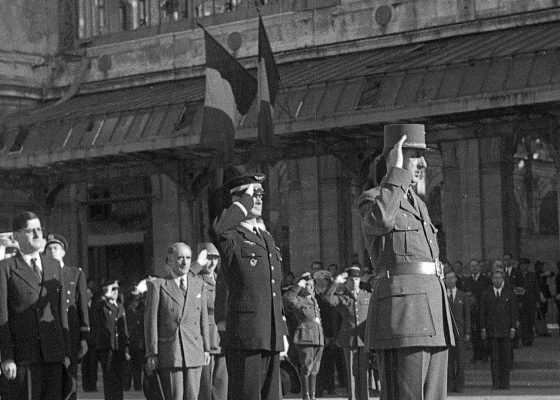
(32, 230)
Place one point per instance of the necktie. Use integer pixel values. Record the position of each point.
(36, 269)
(497, 295)
(410, 198)
(183, 286)
(258, 233)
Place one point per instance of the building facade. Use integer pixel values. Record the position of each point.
(100, 122)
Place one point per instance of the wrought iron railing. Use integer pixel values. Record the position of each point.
(103, 17)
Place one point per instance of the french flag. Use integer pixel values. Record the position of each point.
(230, 91)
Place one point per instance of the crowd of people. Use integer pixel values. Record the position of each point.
(225, 322)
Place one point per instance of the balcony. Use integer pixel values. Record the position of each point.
(105, 21)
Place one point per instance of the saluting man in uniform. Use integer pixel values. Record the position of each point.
(76, 303)
(352, 304)
(255, 330)
(308, 337)
(409, 324)
(111, 339)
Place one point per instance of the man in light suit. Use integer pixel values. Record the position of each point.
(176, 324)
(461, 310)
(34, 345)
(409, 323)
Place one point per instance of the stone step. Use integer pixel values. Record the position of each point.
(517, 375)
(487, 383)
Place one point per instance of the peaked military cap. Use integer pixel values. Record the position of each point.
(354, 272)
(110, 282)
(241, 183)
(415, 136)
(306, 276)
(54, 238)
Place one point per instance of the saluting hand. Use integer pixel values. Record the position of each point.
(250, 190)
(342, 278)
(202, 258)
(395, 157)
(9, 369)
(301, 283)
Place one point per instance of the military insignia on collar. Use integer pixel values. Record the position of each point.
(253, 262)
(249, 242)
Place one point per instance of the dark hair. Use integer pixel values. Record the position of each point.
(20, 221)
(451, 271)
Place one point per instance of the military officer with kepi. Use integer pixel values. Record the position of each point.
(308, 336)
(409, 323)
(352, 304)
(76, 303)
(255, 329)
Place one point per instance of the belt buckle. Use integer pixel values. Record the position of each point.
(439, 269)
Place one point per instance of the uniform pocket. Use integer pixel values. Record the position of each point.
(401, 240)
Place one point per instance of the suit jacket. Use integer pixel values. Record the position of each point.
(76, 305)
(252, 267)
(213, 334)
(353, 311)
(498, 316)
(461, 310)
(406, 310)
(33, 319)
(175, 325)
(109, 327)
(309, 329)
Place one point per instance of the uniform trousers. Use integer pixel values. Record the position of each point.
(112, 364)
(214, 379)
(180, 383)
(89, 371)
(413, 373)
(253, 375)
(310, 359)
(456, 367)
(35, 382)
(500, 349)
(357, 368)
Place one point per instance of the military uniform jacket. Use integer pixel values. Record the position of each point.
(498, 316)
(406, 310)
(214, 336)
(309, 329)
(175, 325)
(354, 312)
(76, 304)
(33, 319)
(252, 267)
(109, 327)
(461, 310)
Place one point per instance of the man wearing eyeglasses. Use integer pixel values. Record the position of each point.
(255, 330)
(33, 323)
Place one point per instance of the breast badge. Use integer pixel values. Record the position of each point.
(253, 262)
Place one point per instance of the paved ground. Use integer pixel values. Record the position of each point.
(536, 377)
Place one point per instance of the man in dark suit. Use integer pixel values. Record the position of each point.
(214, 381)
(461, 310)
(498, 321)
(90, 361)
(526, 289)
(476, 285)
(176, 324)
(409, 322)
(34, 344)
(76, 303)
(111, 339)
(252, 265)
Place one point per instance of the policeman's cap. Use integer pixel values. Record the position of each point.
(111, 282)
(415, 136)
(354, 272)
(59, 239)
(241, 183)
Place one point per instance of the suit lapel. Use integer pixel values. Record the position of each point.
(251, 236)
(405, 205)
(26, 274)
(173, 291)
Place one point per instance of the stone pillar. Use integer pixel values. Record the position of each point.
(165, 219)
(477, 198)
(320, 213)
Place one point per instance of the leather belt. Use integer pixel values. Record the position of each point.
(416, 268)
